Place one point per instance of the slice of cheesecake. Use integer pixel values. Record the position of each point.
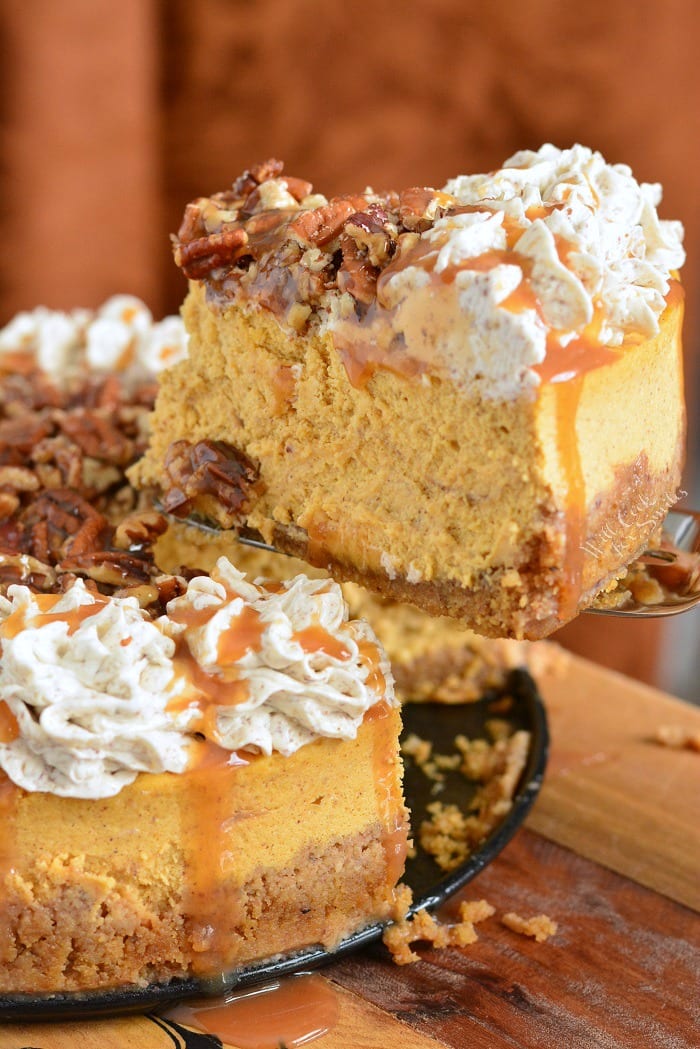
(469, 399)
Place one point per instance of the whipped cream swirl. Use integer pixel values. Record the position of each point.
(120, 336)
(89, 693)
(100, 692)
(297, 691)
(581, 237)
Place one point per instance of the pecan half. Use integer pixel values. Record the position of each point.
(200, 256)
(318, 227)
(356, 274)
(209, 477)
(419, 207)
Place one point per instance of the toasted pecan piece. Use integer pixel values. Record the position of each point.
(211, 478)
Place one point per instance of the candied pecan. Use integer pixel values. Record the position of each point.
(208, 468)
(247, 182)
(22, 434)
(170, 587)
(54, 517)
(145, 593)
(22, 392)
(199, 257)
(90, 536)
(96, 436)
(356, 274)
(110, 567)
(419, 206)
(20, 568)
(322, 225)
(98, 477)
(370, 231)
(8, 504)
(64, 458)
(298, 187)
(20, 478)
(139, 530)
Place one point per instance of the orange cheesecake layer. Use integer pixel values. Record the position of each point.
(509, 516)
(202, 872)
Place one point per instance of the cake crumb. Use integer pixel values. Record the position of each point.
(540, 927)
(418, 749)
(475, 911)
(403, 898)
(677, 737)
(422, 926)
(450, 834)
(498, 728)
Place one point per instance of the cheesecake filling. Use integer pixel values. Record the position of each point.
(93, 691)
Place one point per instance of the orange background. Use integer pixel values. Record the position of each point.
(115, 114)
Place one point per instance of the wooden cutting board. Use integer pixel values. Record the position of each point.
(611, 852)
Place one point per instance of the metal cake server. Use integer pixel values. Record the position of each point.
(674, 565)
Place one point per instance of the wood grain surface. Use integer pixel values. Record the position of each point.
(611, 793)
(621, 971)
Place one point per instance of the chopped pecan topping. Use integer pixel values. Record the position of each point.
(419, 207)
(317, 228)
(265, 234)
(207, 253)
(209, 476)
(64, 498)
(356, 274)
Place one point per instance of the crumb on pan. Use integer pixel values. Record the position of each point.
(425, 928)
(540, 927)
(417, 748)
(450, 834)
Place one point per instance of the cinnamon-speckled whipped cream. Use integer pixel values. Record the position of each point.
(119, 336)
(556, 244)
(100, 692)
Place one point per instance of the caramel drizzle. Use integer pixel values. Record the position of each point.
(291, 1012)
(20, 620)
(567, 398)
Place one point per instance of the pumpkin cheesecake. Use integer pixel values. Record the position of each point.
(171, 788)
(469, 399)
(170, 745)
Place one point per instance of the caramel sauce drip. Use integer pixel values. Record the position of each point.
(212, 917)
(283, 388)
(9, 727)
(243, 635)
(362, 356)
(315, 639)
(224, 688)
(19, 620)
(290, 1012)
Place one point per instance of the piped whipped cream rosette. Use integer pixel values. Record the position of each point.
(98, 692)
(297, 668)
(120, 336)
(555, 245)
(88, 680)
